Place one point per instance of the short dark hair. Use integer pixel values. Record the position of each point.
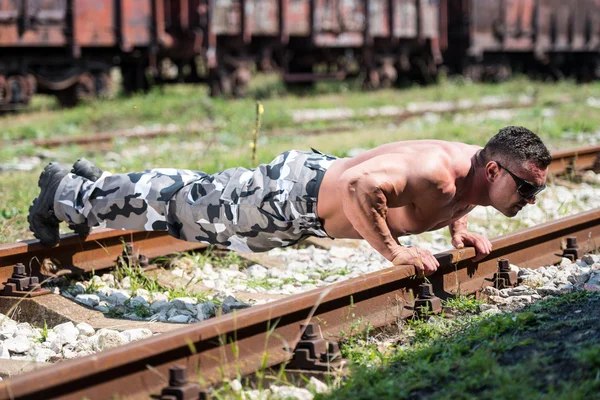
(516, 144)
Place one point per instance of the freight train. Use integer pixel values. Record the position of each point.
(68, 47)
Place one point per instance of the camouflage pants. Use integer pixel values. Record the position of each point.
(273, 205)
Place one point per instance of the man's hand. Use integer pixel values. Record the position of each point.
(482, 245)
(423, 260)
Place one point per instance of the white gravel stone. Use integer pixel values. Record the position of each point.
(256, 271)
(8, 331)
(4, 354)
(109, 279)
(18, 344)
(85, 329)
(290, 392)
(235, 385)
(136, 334)
(319, 386)
(66, 333)
(109, 338)
(41, 354)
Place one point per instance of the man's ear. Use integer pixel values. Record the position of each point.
(491, 171)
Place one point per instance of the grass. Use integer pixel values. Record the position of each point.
(548, 351)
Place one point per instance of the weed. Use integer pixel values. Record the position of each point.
(463, 304)
(44, 333)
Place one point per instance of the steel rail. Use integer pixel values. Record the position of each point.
(99, 250)
(250, 339)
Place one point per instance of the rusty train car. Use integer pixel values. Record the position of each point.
(67, 47)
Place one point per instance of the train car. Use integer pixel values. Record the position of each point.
(66, 47)
(489, 39)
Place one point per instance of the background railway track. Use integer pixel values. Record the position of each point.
(378, 298)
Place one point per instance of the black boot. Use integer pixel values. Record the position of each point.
(42, 221)
(86, 169)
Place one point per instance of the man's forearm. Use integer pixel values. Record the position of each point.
(460, 225)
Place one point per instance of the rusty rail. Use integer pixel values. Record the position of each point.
(237, 343)
(99, 250)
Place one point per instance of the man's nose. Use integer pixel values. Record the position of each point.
(530, 200)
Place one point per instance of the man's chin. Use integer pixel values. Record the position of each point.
(511, 212)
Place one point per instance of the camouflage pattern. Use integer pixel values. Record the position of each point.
(252, 210)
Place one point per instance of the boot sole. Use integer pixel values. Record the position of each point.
(44, 225)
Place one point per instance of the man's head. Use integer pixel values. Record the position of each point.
(516, 165)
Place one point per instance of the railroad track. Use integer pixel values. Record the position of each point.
(206, 350)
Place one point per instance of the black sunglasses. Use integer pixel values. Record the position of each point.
(526, 189)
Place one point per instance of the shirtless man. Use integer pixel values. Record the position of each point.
(390, 191)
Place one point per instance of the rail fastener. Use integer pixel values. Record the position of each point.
(180, 388)
(571, 250)
(427, 303)
(315, 354)
(21, 285)
(505, 277)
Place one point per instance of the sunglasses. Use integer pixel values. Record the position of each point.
(526, 189)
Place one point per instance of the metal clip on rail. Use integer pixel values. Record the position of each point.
(505, 277)
(315, 354)
(572, 250)
(426, 302)
(179, 388)
(21, 285)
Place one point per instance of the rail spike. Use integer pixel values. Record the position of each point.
(315, 354)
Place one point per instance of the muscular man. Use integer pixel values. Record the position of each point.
(393, 190)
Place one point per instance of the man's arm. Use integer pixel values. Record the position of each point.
(365, 189)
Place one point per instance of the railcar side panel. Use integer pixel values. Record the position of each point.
(35, 23)
(298, 18)
(429, 15)
(95, 23)
(227, 17)
(136, 23)
(262, 17)
(405, 19)
(339, 23)
(379, 23)
(9, 15)
(518, 28)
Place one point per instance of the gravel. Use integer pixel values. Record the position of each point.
(21, 341)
